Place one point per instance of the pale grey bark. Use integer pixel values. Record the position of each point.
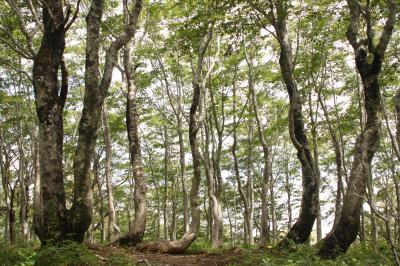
(338, 159)
(23, 197)
(264, 231)
(242, 194)
(195, 122)
(113, 229)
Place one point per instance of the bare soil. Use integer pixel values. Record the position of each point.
(223, 258)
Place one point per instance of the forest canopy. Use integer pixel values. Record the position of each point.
(255, 132)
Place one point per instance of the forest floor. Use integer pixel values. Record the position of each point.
(234, 256)
(74, 254)
(247, 256)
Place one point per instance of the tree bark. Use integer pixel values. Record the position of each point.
(217, 184)
(95, 93)
(37, 202)
(23, 197)
(338, 160)
(264, 227)
(188, 238)
(242, 193)
(136, 233)
(345, 232)
(300, 231)
(113, 229)
(5, 181)
(49, 101)
(100, 196)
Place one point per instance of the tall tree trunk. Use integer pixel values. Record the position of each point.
(37, 202)
(288, 187)
(95, 93)
(172, 235)
(314, 132)
(249, 185)
(396, 100)
(345, 232)
(183, 174)
(166, 181)
(242, 194)
(11, 218)
(50, 99)
(300, 231)
(100, 196)
(338, 160)
(113, 229)
(264, 231)
(136, 233)
(187, 239)
(23, 198)
(216, 158)
(5, 181)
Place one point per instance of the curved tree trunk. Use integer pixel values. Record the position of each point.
(136, 232)
(300, 231)
(95, 92)
(345, 232)
(189, 237)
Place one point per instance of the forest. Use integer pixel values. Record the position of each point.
(199, 132)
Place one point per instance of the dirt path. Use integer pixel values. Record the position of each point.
(225, 258)
(189, 260)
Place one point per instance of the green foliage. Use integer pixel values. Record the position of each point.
(68, 254)
(20, 256)
(359, 254)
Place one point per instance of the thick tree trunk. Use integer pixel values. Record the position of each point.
(95, 93)
(345, 232)
(300, 231)
(113, 229)
(49, 107)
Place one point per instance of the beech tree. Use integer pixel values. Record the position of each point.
(168, 126)
(345, 232)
